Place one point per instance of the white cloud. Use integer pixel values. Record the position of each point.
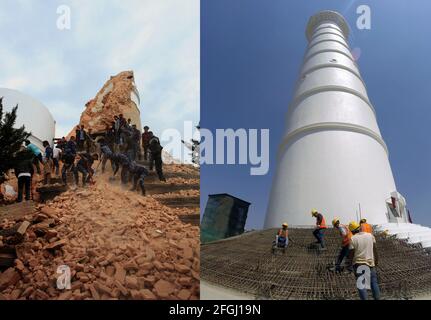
(42, 72)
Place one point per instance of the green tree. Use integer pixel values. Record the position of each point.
(11, 139)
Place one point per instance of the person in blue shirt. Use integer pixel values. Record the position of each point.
(138, 172)
(37, 154)
(69, 161)
(48, 163)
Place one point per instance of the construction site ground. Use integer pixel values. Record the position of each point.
(117, 243)
(210, 291)
(246, 265)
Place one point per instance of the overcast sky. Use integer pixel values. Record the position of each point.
(158, 40)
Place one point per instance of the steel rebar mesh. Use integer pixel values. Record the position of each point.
(247, 264)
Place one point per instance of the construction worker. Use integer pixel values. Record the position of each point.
(365, 227)
(282, 237)
(363, 257)
(320, 228)
(346, 235)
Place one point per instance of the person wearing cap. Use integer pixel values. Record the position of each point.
(346, 235)
(320, 228)
(282, 237)
(365, 227)
(363, 257)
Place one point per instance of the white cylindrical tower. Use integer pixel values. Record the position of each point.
(332, 156)
(32, 114)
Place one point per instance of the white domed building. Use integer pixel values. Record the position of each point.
(31, 113)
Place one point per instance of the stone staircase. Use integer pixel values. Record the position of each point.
(181, 190)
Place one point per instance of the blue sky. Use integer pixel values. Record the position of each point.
(251, 52)
(159, 40)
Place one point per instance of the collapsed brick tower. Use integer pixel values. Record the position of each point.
(119, 95)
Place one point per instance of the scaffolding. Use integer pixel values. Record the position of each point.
(246, 264)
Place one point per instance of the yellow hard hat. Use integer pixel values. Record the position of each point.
(353, 226)
(285, 224)
(335, 221)
(363, 220)
(313, 212)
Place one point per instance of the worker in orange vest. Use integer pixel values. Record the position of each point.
(365, 227)
(346, 235)
(320, 228)
(282, 238)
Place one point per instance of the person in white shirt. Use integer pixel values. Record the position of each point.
(363, 254)
(56, 158)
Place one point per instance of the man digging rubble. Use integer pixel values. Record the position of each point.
(132, 169)
(139, 173)
(84, 166)
(117, 160)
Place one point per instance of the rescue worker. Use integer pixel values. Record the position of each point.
(90, 143)
(145, 141)
(365, 227)
(56, 155)
(84, 166)
(363, 256)
(282, 237)
(48, 163)
(156, 155)
(106, 154)
(129, 143)
(110, 135)
(136, 138)
(37, 154)
(346, 235)
(81, 137)
(122, 160)
(61, 143)
(116, 129)
(320, 228)
(122, 120)
(23, 168)
(118, 160)
(139, 173)
(69, 161)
